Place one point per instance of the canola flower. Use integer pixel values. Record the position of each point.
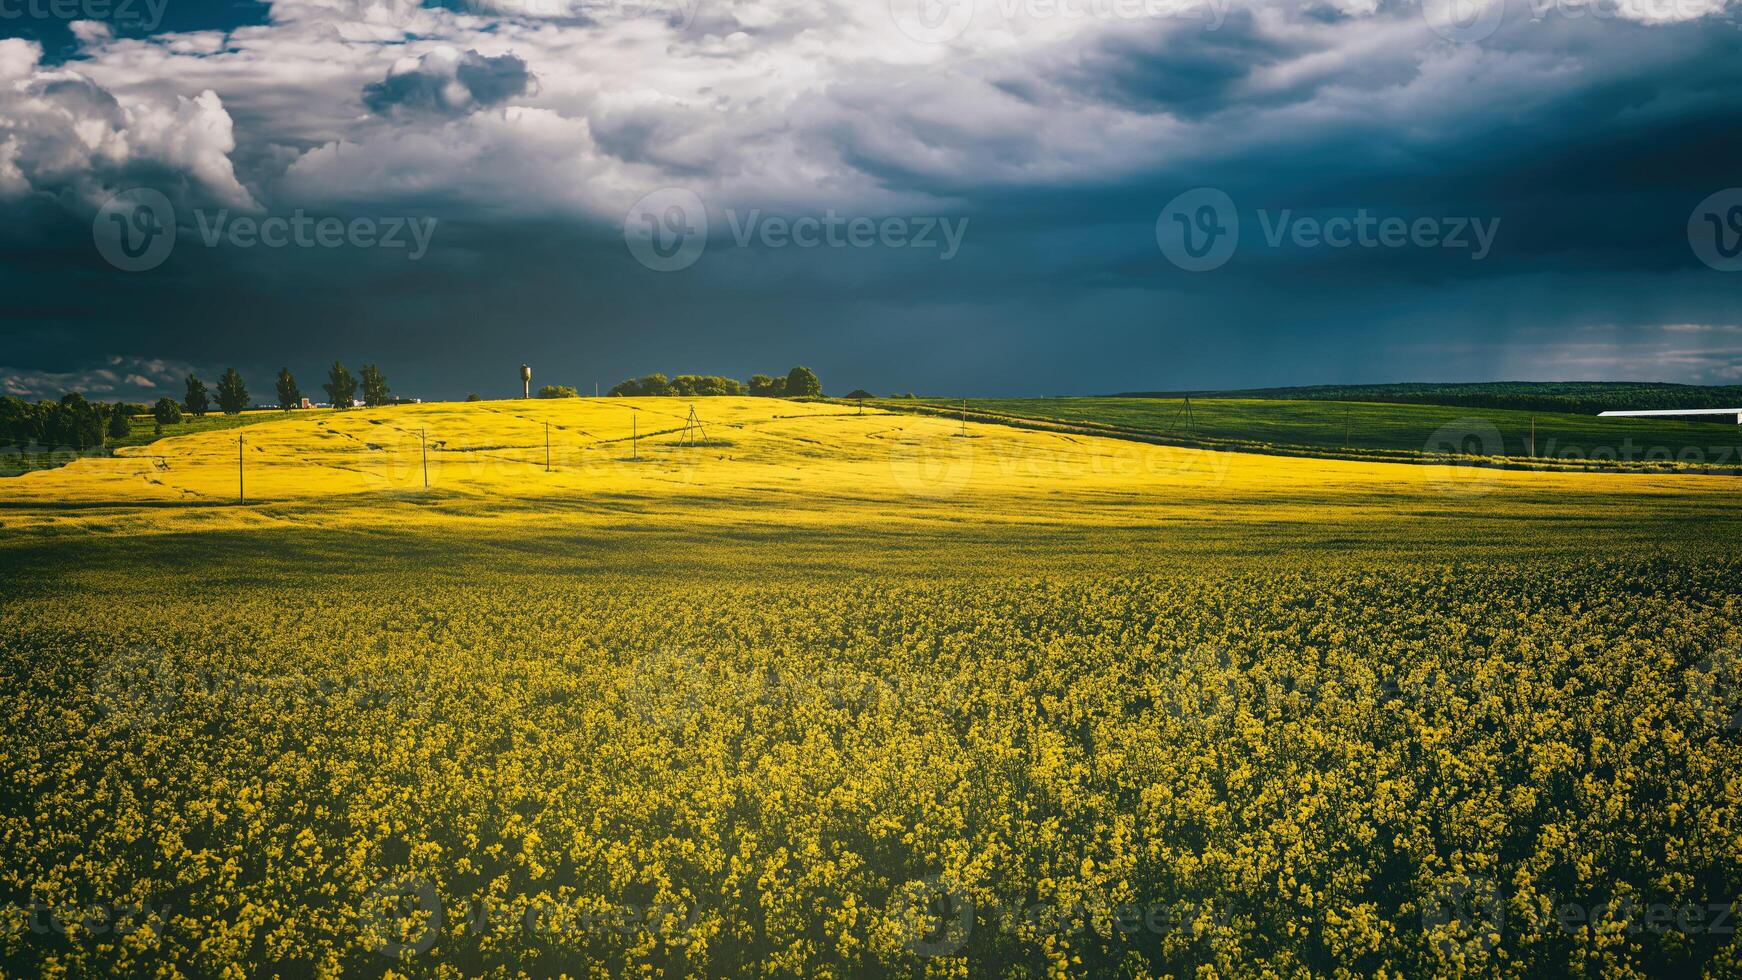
(1291, 771)
(861, 696)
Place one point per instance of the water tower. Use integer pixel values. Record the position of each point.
(525, 381)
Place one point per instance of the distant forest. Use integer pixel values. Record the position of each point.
(1540, 396)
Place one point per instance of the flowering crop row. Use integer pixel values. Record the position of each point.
(1301, 769)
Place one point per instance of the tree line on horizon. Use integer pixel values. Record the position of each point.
(232, 395)
(75, 422)
(800, 382)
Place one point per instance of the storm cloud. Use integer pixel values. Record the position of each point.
(447, 82)
(1059, 132)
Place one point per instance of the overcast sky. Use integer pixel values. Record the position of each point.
(968, 197)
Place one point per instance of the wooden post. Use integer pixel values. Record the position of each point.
(423, 445)
(635, 437)
(547, 447)
(1533, 436)
(964, 417)
(241, 486)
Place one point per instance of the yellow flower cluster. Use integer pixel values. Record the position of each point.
(1330, 768)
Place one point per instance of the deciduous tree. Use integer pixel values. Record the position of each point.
(802, 382)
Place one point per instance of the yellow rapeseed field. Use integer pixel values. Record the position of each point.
(822, 693)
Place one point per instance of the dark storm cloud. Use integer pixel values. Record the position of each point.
(449, 84)
(1587, 142)
(1179, 67)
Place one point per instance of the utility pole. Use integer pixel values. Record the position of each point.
(1533, 436)
(423, 444)
(241, 486)
(635, 436)
(964, 418)
(1346, 425)
(547, 447)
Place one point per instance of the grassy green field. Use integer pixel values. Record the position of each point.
(1381, 430)
(1578, 397)
(848, 695)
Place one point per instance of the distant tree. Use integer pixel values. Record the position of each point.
(341, 387)
(196, 401)
(474, 397)
(764, 386)
(76, 422)
(374, 386)
(705, 385)
(166, 411)
(232, 393)
(17, 421)
(558, 391)
(860, 393)
(289, 395)
(802, 382)
(119, 426)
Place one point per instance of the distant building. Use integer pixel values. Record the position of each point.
(306, 404)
